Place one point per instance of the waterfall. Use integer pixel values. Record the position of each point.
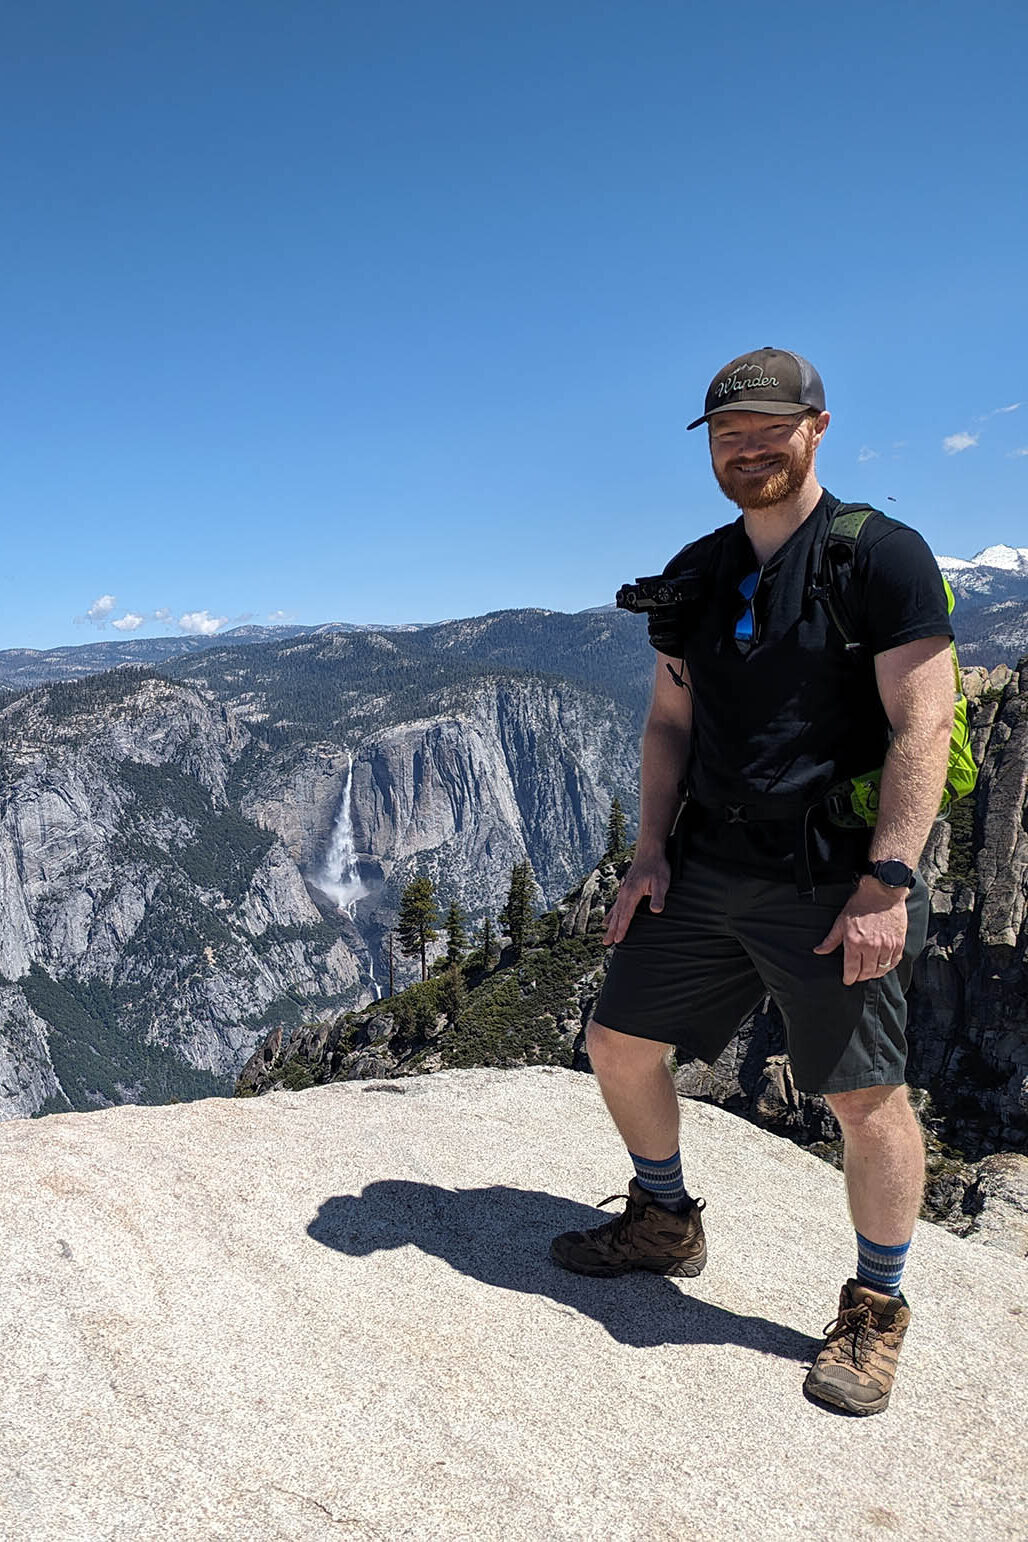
(373, 977)
(339, 876)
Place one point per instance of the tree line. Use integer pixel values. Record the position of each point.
(419, 922)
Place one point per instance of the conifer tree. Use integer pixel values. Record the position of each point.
(487, 940)
(453, 994)
(617, 831)
(517, 914)
(417, 922)
(456, 934)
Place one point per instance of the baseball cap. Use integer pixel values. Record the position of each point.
(767, 380)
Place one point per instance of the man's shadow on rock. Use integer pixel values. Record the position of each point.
(501, 1236)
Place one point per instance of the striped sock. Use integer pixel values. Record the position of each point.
(662, 1179)
(880, 1267)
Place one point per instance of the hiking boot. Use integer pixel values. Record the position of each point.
(645, 1236)
(856, 1367)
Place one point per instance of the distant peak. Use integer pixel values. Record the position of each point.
(1011, 559)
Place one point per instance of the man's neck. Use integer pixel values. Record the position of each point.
(769, 529)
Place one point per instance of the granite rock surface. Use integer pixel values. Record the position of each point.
(331, 1314)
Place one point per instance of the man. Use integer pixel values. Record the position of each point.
(762, 708)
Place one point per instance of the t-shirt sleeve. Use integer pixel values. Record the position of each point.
(905, 598)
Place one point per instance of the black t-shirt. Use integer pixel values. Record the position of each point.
(793, 713)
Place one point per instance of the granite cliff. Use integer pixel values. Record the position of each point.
(170, 863)
(148, 929)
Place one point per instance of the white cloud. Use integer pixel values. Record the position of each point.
(1022, 451)
(954, 443)
(1012, 408)
(278, 616)
(162, 615)
(201, 623)
(100, 609)
(128, 623)
(866, 453)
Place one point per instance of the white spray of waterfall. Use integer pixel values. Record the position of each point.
(339, 876)
(373, 977)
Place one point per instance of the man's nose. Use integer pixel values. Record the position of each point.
(754, 444)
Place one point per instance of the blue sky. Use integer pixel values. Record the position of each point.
(398, 311)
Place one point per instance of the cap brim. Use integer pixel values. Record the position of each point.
(778, 409)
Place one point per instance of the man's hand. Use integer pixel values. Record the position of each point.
(872, 928)
(648, 875)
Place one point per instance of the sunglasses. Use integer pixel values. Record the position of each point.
(746, 626)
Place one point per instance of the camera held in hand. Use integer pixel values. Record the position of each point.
(672, 606)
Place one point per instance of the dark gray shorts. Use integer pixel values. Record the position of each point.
(692, 973)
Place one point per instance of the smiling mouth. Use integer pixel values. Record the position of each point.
(758, 468)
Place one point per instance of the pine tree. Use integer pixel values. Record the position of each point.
(517, 914)
(617, 831)
(456, 934)
(416, 924)
(453, 994)
(487, 940)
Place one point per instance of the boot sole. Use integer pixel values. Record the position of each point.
(686, 1268)
(828, 1394)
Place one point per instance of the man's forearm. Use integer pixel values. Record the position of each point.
(913, 778)
(665, 754)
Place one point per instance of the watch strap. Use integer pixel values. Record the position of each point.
(893, 874)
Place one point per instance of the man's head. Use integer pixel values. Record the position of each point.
(765, 415)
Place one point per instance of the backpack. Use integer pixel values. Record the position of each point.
(854, 802)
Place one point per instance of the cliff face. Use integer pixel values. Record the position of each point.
(969, 1009)
(166, 875)
(513, 767)
(521, 770)
(147, 928)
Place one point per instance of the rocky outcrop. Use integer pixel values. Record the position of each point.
(28, 1080)
(969, 1006)
(326, 1316)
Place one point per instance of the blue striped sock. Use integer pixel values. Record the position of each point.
(879, 1266)
(662, 1179)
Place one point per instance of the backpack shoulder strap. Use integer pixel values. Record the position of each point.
(834, 568)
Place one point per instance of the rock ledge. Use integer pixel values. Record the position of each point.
(330, 1314)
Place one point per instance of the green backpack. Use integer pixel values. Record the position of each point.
(853, 803)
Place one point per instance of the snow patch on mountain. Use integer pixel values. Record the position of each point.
(1009, 559)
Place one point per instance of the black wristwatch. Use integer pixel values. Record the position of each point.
(894, 875)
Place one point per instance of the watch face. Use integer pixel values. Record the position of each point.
(896, 874)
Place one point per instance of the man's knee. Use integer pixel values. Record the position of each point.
(612, 1053)
(867, 1105)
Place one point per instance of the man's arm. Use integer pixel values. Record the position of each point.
(665, 754)
(915, 683)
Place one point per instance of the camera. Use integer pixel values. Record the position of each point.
(671, 607)
(658, 592)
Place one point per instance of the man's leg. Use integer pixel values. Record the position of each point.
(883, 1162)
(660, 1230)
(638, 1089)
(884, 1168)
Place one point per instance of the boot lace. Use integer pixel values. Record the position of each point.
(856, 1321)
